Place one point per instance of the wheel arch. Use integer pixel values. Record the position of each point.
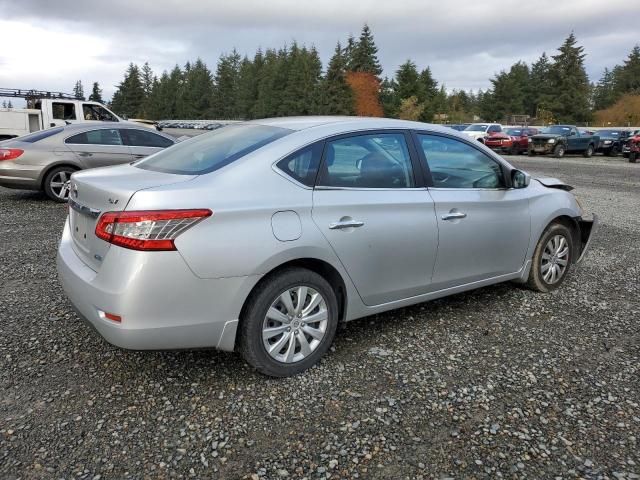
(572, 224)
(321, 267)
(48, 168)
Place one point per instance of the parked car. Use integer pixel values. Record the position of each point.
(513, 140)
(262, 236)
(633, 145)
(45, 160)
(561, 139)
(611, 141)
(479, 131)
(626, 146)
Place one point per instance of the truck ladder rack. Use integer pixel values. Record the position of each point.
(34, 94)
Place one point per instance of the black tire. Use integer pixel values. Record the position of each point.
(632, 157)
(531, 153)
(250, 343)
(625, 154)
(515, 149)
(559, 151)
(613, 152)
(47, 186)
(588, 153)
(536, 279)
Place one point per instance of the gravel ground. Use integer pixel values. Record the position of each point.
(499, 382)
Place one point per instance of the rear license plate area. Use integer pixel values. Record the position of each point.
(80, 229)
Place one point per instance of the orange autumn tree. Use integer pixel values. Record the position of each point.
(625, 111)
(366, 93)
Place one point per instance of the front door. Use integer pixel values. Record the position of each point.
(99, 147)
(376, 215)
(484, 226)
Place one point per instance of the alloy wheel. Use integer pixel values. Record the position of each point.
(60, 184)
(555, 259)
(295, 324)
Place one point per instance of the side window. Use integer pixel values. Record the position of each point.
(378, 160)
(63, 111)
(96, 112)
(495, 129)
(103, 136)
(141, 138)
(455, 164)
(303, 164)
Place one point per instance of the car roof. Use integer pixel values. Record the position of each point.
(356, 123)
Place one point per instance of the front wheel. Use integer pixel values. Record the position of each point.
(559, 151)
(588, 152)
(552, 259)
(289, 323)
(57, 182)
(613, 152)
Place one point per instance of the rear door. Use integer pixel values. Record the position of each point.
(99, 147)
(144, 142)
(484, 227)
(372, 207)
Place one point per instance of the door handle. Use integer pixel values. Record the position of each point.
(85, 154)
(139, 156)
(453, 215)
(345, 224)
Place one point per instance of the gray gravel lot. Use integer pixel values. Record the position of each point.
(499, 382)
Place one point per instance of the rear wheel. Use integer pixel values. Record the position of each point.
(613, 152)
(56, 183)
(632, 157)
(515, 149)
(289, 323)
(552, 259)
(588, 152)
(559, 151)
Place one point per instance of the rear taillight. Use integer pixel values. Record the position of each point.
(10, 153)
(147, 229)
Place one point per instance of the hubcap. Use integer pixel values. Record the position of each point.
(555, 258)
(60, 184)
(295, 324)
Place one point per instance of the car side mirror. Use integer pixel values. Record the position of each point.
(520, 179)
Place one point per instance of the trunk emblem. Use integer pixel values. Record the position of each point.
(112, 201)
(74, 190)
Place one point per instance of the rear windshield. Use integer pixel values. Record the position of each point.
(41, 135)
(211, 151)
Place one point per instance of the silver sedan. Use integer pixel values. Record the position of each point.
(46, 159)
(262, 236)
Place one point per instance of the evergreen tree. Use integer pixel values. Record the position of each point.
(428, 91)
(226, 103)
(408, 82)
(268, 97)
(336, 95)
(627, 77)
(197, 91)
(604, 94)
(540, 88)
(9, 104)
(4, 104)
(248, 84)
(78, 90)
(129, 97)
(96, 93)
(364, 54)
(388, 98)
(570, 103)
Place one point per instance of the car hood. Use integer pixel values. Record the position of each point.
(545, 136)
(551, 182)
(474, 134)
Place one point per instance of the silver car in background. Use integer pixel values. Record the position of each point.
(263, 236)
(46, 159)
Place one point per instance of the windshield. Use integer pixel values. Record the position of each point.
(557, 130)
(211, 151)
(477, 128)
(516, 132)
(609, 133)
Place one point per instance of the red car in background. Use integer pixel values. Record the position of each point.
(514, 140)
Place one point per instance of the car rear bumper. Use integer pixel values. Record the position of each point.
(15, 175)
(587, 230)
(163, 305)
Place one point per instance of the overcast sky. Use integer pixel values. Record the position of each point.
(50, 44)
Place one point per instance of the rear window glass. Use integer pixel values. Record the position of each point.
(41, 135)
(211, 151)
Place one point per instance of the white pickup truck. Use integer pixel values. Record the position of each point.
(44, 113)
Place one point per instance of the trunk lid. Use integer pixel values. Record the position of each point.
(100, 190)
